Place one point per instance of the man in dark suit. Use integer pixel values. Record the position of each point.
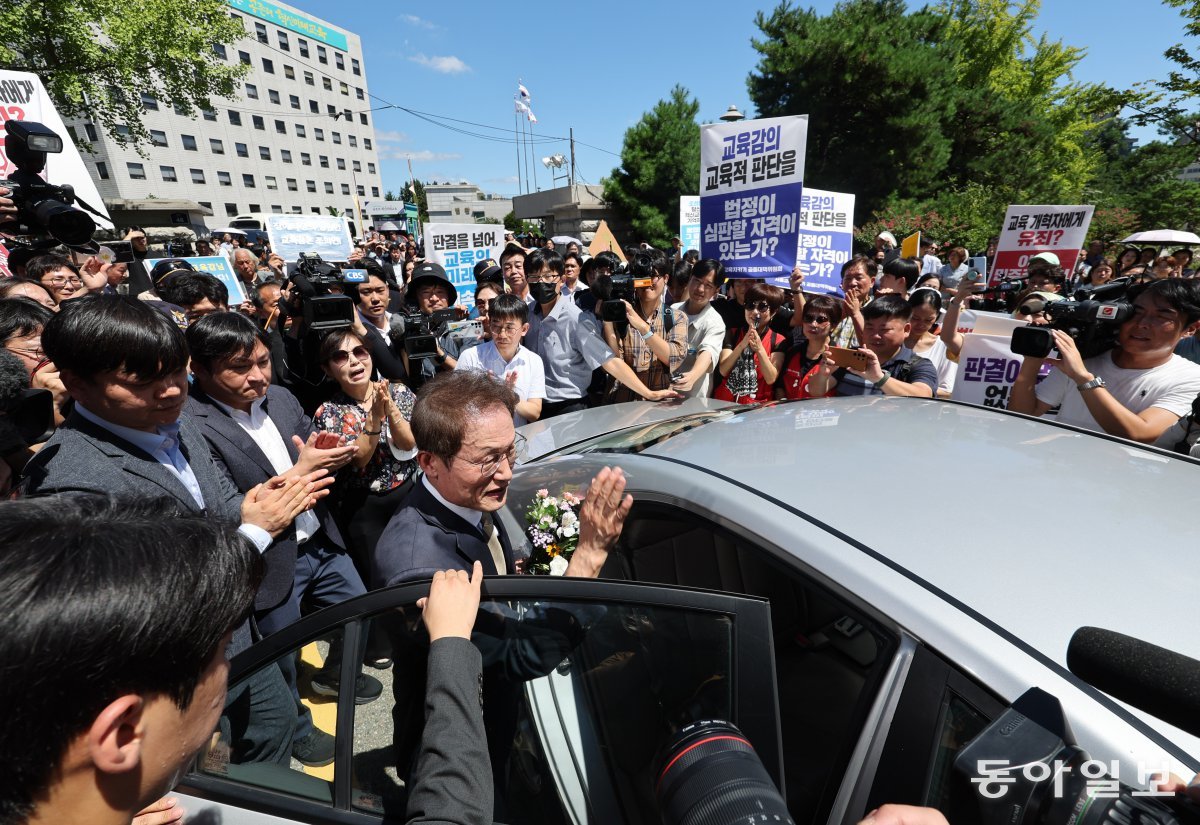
(255, 431)
(125, 365)
(463, 426)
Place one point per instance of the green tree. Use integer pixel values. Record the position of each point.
(389, 195)
(660, 161)
(416, 194)
(96, 57)
(515, 225)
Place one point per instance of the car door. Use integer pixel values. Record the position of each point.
(584, 683)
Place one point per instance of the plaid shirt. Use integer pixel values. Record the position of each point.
(634, 350)
(843, 334)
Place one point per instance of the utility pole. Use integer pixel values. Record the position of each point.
(572, 134)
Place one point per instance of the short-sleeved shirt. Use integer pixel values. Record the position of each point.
(388, 467)
(706, 332)
(919, 371)
(641, 359)
(570, 346)
(1171, 386)
(531, 375)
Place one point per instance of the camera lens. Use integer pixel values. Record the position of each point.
(711, 775)
(66, 224)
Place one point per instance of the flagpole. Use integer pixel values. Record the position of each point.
(517, 145)
(535, 180)
(528, 156)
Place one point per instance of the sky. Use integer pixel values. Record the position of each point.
(599, 68)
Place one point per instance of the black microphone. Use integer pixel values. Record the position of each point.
(1161, 682)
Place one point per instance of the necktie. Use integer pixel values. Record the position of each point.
(488, 527)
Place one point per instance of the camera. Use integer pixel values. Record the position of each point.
(1092, 318)
(421, 331)
(998, 298)
(637, 274)
(320, 287)
(42, 208)
(1027, 770)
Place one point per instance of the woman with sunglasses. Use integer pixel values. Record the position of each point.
(753, 355)
(821, 314)
(373, 415)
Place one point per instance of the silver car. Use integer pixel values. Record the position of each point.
(861, 585)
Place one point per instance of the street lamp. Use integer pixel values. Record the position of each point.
(732, 115)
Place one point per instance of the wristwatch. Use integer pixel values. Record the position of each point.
(648, 334)
(1093, 384)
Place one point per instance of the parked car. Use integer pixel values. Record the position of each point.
(861, 585)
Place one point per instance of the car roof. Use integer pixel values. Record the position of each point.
(1038, 527)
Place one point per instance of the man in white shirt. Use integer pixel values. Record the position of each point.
(706, 330)
(1137, 390)
(505, 358)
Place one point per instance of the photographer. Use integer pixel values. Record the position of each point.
(1138, 389)
(430, 292)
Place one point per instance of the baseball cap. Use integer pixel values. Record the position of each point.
(491, 275)
(428, 272)
(483, 266)
(887, 236)
(168, 267)
(1048, 257)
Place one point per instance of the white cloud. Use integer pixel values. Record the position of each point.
(413, 20)
(384, 136)
(448, 64)
(424, 155)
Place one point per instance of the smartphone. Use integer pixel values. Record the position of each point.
(327, 441)
(849, 358)
(122, 251)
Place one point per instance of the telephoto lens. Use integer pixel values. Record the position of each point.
(711, 775)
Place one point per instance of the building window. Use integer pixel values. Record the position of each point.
(319, 134)
(327, 84)
(328, 188)
(339, 61)
(242, 150)
(231, 210)
(337, 138)
(370, 169)
(291, 185)
(244, 57)
(210, 114)
(270, 182)
(343, 88)
(354, 67)
(215, 146)
(302, 44)
(299, 130)
(316, 210)
(149, 102)
(321, 56)
(90, 131)
(353, 140)
(224, 179)
(297, 210)
(366, 143)
(206, 204)
(258, 121)
(285, 155)
(310, 185)
(219, 51)
(136, 171)
(254, 207)
(361, 191)
(349, 115)
(280, 127)
(168, 174)
(158, 138)
(180, 109)
(268, 66)
(374, 191)
(102, 170)
(251, 91)
(362, 118)
(294, 101)
(358, 92)
(197, 175)
(276, 209)
(331, 110)
(345, 189)
(356, 166)
(248, 182)
(308, 78)
(273, 96)
(264, 152)
(305, 159)
(324, 160)
(235, 118)
(261, 31)
(314, 107)
(289, 72)
(283, 42)
(341, 163)
(189, 142)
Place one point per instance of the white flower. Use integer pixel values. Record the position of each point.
(551, 502)
(558, 566)
(566, 532)
(569, 519)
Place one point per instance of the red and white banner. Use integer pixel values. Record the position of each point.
(1031, 230)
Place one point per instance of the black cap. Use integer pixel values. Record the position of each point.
(491, 275)
(428, 272)
(168, 267)
(483, 266)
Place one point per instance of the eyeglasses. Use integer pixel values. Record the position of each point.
(32, 352)
(490, 465)
(696, 283)
(816, 319)
(761, 306)
(506, 329)
(340, 357)
(60, 280)
(543, 277)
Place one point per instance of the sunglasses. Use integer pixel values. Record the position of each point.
(761, 306)
(340, 357)
(816, 319)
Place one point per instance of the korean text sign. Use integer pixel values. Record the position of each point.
(219, 267)
(689, 222)
(326, 235)
(458, 247)
(987, 369)
(1030, 230)
(751, 182)
(826, 223)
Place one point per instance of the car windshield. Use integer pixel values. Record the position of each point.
(643, 436)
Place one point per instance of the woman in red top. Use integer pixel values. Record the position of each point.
(821, 314)
(752, 358)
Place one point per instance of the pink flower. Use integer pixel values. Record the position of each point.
(542, 493)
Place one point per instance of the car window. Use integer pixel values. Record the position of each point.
(643, 436)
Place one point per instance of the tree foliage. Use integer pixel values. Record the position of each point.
(97, 57)
(417, 195)
(660, 161)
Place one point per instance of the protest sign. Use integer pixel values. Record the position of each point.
(326, 235)
(458, 247)
(689, 222)
(22, 97)
(826, 240)
(605, 241)
(1031, 230)
(5, 272)
(910, 247)
(751, 181)
(987, 369)
(986, 323)
(219, 267)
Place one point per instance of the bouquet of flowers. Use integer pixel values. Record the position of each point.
(553, 532)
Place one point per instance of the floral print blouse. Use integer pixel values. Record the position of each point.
(388, 467)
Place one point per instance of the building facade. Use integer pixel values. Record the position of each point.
(299, 141)
(464, 203)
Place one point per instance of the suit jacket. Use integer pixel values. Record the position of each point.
(245, 465)
(386, 358)
(424, 536)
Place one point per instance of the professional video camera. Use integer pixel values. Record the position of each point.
(421, 331)
(26, 415)
(42, 208)
(1093, 318)
(320, 287)
(998, 298)
(1027, 770)
(636, 274)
